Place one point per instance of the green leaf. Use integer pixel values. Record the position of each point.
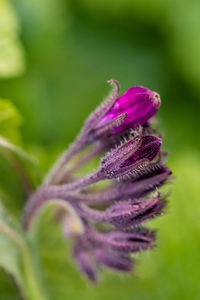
(10, 120)
(9, 252)
(25, 165)
(5, 144)
(11, 50)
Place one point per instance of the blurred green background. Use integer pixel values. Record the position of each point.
(55, 58)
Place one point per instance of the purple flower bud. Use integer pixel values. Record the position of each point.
(153, 212)
(132, 159)
(123, 214)
(116, 157)
(113, 260)
(139, 102)
(85, 262)
(148, 149)
(126, 242)
(128, 189)
(144, 185)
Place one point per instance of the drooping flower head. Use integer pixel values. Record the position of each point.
(110, 219)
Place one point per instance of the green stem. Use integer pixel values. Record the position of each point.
(31, 286)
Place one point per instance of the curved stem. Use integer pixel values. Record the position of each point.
(66, 207)
(87, 212)
(104, 196)
(56, 192)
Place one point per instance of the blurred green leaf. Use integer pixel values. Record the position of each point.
(9, 251)
(11, 51)
(5, 144)
(10, 154)
(25, 165)
(10, 120)
(18, 259)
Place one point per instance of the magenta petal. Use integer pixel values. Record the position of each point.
(139, 102)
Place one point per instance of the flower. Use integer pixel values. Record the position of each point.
(139, 103)
(119, 114)
(111, 218)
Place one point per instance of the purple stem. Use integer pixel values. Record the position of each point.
(79, 144)
(88, 212)
(102, 197)
(56, 192)
(83, 140)
(63, 176)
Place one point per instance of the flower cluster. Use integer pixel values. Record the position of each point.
(133, 163)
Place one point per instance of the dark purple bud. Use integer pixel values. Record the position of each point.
(147, 234)
(139, 102)
(128, 189)
(85, 262)
(119, 155)
(153, 212)
(143, 185)
(123, 214)
(131, 159)
(113, 260)
(126, 242)
(149, 148)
